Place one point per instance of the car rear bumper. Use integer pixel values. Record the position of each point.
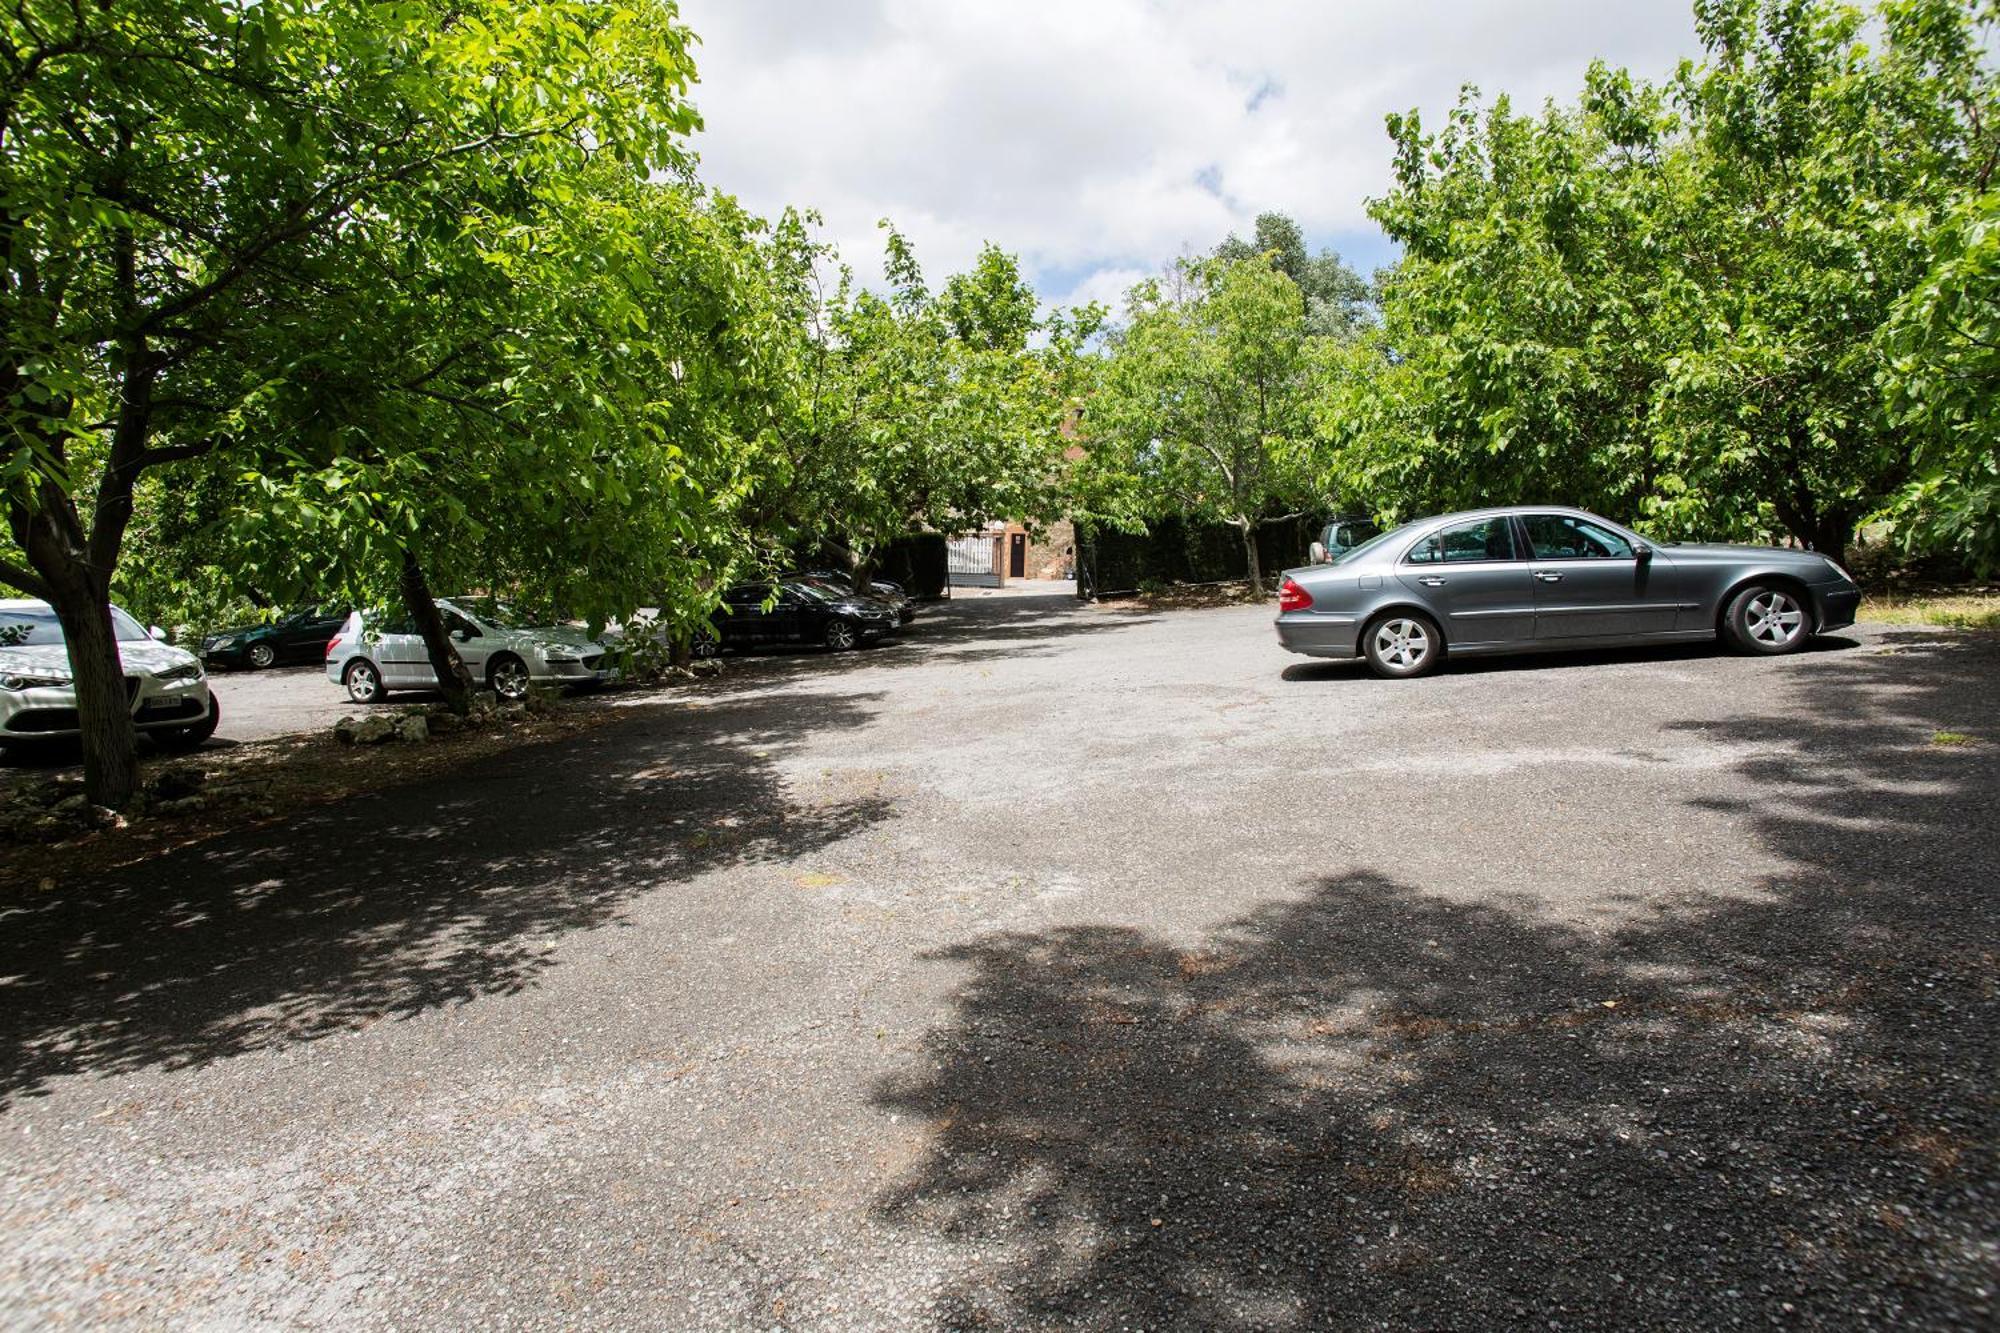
(1317, 635)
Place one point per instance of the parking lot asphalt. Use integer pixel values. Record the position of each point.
(257, 705)
(1061, 967)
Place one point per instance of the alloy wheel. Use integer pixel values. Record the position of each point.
(1773, 618)
(261, 655)
(839, 636)
(510, 679)
(1402, 644)
(363, 684)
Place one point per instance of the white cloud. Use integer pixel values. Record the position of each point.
(1100, 138)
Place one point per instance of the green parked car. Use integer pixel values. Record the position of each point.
(299, 635)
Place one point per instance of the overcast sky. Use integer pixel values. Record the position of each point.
(1098, 139)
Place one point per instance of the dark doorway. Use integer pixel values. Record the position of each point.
(1017, 555)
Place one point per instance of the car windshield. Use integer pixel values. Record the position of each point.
(38, 624)
(813, 589)
(825, 584)
(492, 614)
(1356, 552)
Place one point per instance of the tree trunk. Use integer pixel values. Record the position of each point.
(1830, 542)
(51, 536)
(1249, 531)
(103, 708)
(861, 564)
(1825, 527)
(1831, 534)
(1825, 530)
(453, 679)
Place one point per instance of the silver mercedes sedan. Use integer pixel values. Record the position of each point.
(1533, 577)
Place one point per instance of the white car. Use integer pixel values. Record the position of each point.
(370, 658)
(169, 695)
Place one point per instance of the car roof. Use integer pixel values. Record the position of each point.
(37, 604)
(1499, 511)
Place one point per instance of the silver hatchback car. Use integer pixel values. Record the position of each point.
(1540, 576)
(371, 656)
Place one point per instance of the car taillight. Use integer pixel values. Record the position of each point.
(332, 644)
(1291, 597)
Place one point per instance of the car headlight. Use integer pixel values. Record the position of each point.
(23, 680)
(1838, 570)
(226, 641)
(186, 671)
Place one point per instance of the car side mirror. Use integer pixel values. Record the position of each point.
(155, 632)
(462, 634)
(1318, 553)
(1642, 553)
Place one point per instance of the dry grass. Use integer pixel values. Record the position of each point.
(1973, 608)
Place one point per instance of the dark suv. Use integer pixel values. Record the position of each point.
(1343, 534)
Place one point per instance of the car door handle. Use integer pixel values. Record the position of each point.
(1431, 581)
(1548, 576)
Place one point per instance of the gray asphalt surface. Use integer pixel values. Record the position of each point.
(1061, 967)
(260, 704)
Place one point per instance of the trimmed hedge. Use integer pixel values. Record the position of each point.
(1110, 563)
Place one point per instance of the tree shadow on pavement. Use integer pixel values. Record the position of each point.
(1381, 1103)
(387, 906)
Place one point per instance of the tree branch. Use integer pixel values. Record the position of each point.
(175, 453)
(24, 579)
(302, 216)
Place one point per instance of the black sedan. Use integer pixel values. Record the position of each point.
(882, 590)
(796, 611)
(299, 635)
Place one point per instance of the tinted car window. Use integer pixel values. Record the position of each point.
(1479, 539)
(1487, 539)
(1561, 537)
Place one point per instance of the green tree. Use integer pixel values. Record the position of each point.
(1665, 302)
(919, 411)
(1202, 406)
(186, 185)
(1336, 301)
(574, 429)
(1943, 382)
